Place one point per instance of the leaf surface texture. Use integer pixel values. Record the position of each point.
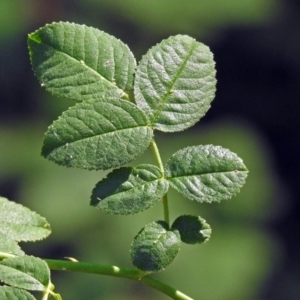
(130, 190)
(19, 223)
(155, 247)
(25, 272)
(175, 83)
(98, 135)
(206, 173)
(10, 293)
(80, 62)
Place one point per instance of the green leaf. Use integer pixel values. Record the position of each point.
(10, 293)
(25, 272)
(19, 223)
(175, 83)
(206, 173)
(192, 229)
(8, 245)
(155, 247)
(130, 190)
(98, 135)
(80, 62)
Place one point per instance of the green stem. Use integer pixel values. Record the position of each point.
(157, 155)
(161, 167)
(166, 209)
(132, 274)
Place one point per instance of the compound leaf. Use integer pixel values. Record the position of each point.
(19, 223)
(80, 62)
(11, 293)
(155, 247)
(192, 229)
(175, 83)
(99, 134)
(25, 272)
(206, 173)
(130, 190)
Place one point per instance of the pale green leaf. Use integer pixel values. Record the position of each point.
(80, 62)
(9, 245)
(130, 190)
(192, 229)
(26, 272)
(155, 247)
(10, 293)
(19, 223)
(206, 173)
(175, 83)
(98, 135)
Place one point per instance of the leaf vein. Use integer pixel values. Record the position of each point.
(88, 68)
(165, 97)
(208, 173)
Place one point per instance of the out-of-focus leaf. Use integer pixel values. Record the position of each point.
(19, 223)
(25, 272)
(11, 293)
(9, 245)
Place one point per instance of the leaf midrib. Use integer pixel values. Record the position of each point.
(135, 187)
(79, 61)
(96, 135)
(206, 173)
(165, 97)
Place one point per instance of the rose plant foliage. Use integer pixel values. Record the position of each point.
(118, 106)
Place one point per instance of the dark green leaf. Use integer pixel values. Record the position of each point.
(130, 190)
(19, 223)
(26, 272)
(155, 247)
(80, 62)
(175, 83)
(192, 229)
(98, 135)
(206, 173)
(10, 293)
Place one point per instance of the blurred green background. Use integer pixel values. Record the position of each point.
(253, 250)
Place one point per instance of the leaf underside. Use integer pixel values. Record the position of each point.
(206, 173)
(130, 190)
(80, 62)
(175, 83)
(98, 135)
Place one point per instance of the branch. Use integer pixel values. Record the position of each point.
(132, 274)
